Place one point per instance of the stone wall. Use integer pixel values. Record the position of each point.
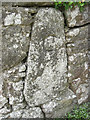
(44, 60)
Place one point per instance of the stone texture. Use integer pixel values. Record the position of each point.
(12, 91)
(3, 101)
(35, 58)
(76, 18)
(15, 37)
(5, 111)
(59, 107)
(47, 60)
(27, 113)
(13, 85)
(46, 81)
(32, 113)
(16, 114)
(77, 49)
(16, 16)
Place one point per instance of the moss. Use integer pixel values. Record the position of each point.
(71, 4)
(80, 112)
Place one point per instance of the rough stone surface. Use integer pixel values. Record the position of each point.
(47, 60)
(15, 37)
(13, 85)
(43, 63)
(77, 49)
(76, 18)
(59, 106)
(32, 113)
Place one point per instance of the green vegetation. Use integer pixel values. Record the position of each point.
(80, 112)
(67, 5)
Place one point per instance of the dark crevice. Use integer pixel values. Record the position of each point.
(67, 65)
(65, 20)
(34, 4)
(10, 106)
(43, 113)
(86, 24)
(65, 31)
(24, 100)
(33, 14)
(25, 62)
(27, 6)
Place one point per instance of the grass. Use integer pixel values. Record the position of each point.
(80, 112)
(70, 4)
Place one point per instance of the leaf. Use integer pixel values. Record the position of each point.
(70, 3)
(81, 4)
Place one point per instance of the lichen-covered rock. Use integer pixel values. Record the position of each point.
(33, 61)
(47, 60)
(59, 107)
(16, 114)
(27, 113)
(3, 101)
(19, 106)
(13, 84)
(77, 49)
(15, 36)
(5, 110)
(16, 16)
(32, 113)
(76, 18)
(15, 45)
(11, 91)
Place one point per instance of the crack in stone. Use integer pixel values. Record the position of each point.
(43, 112)
(79, 26)
(25, 61)
(66, 28)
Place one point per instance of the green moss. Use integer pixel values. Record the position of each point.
(67, 5)
(80, 112)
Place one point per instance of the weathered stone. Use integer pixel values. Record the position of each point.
(77, 49)
(22, 68)
(32, 113)
(13, 85)
(15, 36)
(15, 45)
(3, 100)
(16, 16)
(16, 114)
(33, 61)
(19, 106)
(59, 107)
(47, 60)
(82, 92)
(5, 110)
(4, 116)
(13, 75)
(76, 18)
